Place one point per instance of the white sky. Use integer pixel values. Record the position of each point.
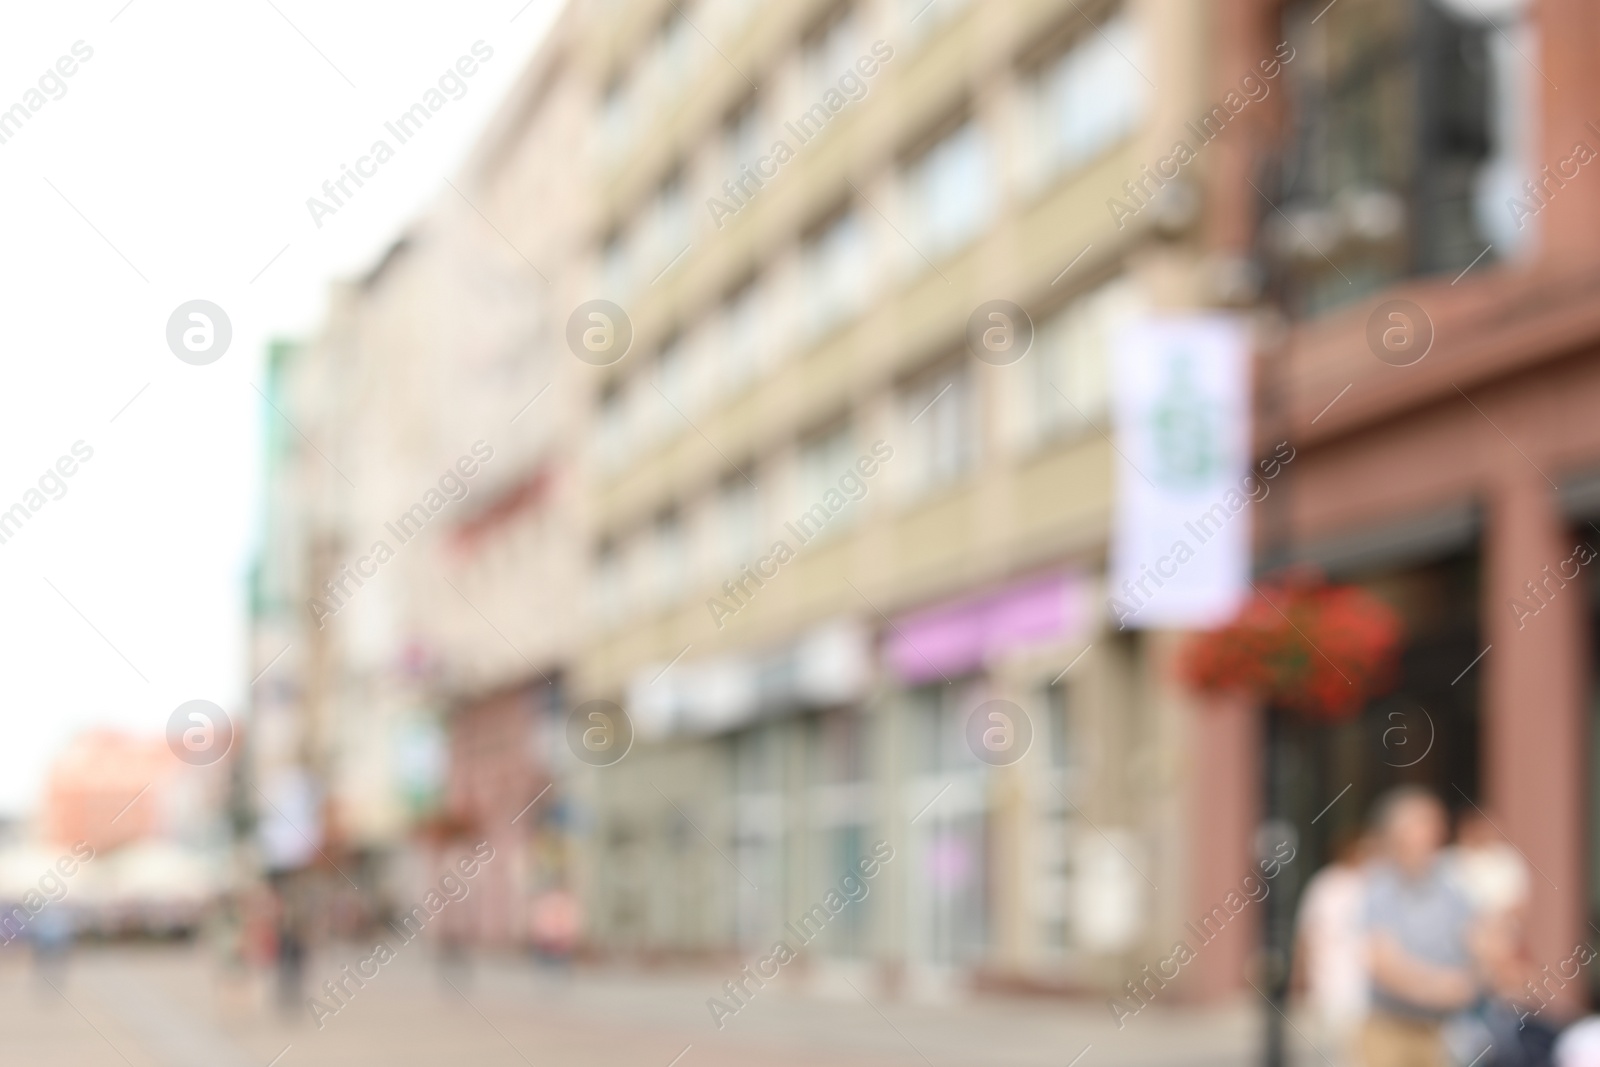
(190, 141)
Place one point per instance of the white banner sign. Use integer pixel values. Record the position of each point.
(1180, 553)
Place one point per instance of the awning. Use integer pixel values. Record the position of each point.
(960, 636)
(829, 666)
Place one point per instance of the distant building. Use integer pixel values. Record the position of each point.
(109, 789)
(415, 458)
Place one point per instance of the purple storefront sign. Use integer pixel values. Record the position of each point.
(955, 638)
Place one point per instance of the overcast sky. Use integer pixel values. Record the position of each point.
(174, 164)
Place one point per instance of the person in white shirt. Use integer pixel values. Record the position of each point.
(1579, 1044)
(1331, 956)
(1494, 878)
(1492, 874)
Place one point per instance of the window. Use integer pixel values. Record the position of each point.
(742, 340)
(1065, 384)
(611, 430)
(741, 138)
(948, 192)
(700, 371)
(669, 223)
(616, 274)
(672, 378)
(839, 752)
(671, 559)
(648, 414)
(1089, 98)
(1052, 854)
(639, 557)
(940, 434)
(1408, 131)
(614, 118)
(738, 525)
(830, 50)
(759, 823)
(729, 15)
(920, 18)
(839, 802)
(610, 594)
(947, 905)
(669, 63)
(836, 272)
(821, 462)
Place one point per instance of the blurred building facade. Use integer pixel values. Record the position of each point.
(823, 533)
(109, 789)
(1439, 351)
(403, 668)
(800, 531)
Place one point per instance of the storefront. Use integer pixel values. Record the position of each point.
(1472, 475)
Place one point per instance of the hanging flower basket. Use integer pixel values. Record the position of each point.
(1301, 644)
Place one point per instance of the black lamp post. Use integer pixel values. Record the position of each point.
(1276, 552)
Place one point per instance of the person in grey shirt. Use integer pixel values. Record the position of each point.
(1419, 929)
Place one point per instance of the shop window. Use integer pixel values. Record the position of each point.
(840, 756)
(948, 857)
(839, 814)
(759, 824)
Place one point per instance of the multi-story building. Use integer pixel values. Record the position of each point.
(417, 456)
(825, 527)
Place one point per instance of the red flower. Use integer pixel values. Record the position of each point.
(1319, 650)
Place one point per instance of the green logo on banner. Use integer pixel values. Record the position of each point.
(1184, 430)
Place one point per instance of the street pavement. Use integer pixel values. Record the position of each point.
(170, 1006)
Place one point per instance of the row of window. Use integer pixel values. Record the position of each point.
(933, 424)
(1069, 110)
(654, 81)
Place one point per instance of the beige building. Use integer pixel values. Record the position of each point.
(823, 531)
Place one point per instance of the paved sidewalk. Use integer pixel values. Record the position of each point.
(169, 1007)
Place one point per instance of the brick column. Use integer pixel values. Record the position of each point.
(1225, 808)
(1534, 736)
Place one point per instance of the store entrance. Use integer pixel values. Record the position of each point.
(1325, 777)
